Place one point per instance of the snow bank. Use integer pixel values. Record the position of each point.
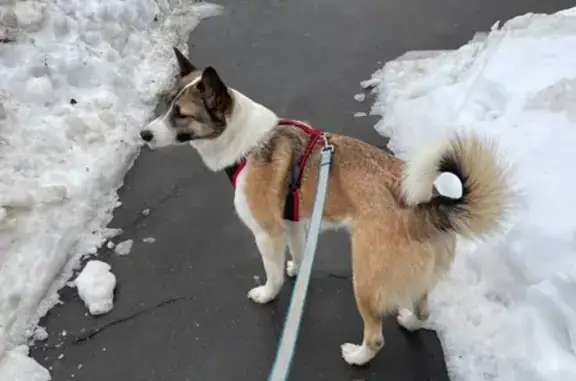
(508, 310)
(17, 366)
(95, 286)
(78, 80)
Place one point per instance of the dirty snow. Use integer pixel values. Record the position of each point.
(507, 311)
(79, 79)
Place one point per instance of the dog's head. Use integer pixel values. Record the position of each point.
(200, 107)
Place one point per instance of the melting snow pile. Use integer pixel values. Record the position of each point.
(78, 80)
(508, 309)
(95, 286)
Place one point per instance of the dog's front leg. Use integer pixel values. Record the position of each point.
(296, 234)
(269, 239)
(272, 250)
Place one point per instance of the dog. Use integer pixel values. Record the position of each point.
(403, 229)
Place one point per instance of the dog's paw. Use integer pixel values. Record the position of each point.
(408, 320)
(262, 294)
(292, 269)
(356, 354)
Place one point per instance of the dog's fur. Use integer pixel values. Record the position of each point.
(403, 231)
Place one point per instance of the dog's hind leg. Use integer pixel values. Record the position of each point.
(369, 298)
(413, 317)
(373, 339)
(296, 234)
(421, 308)
(271, 249)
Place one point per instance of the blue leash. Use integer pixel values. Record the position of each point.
(285, 352)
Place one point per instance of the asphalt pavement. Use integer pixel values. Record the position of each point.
(181, 310)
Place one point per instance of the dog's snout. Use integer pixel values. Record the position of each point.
(146, 135)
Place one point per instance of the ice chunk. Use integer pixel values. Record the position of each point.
(124, 247)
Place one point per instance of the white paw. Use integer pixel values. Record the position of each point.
(356, 354)
(262, 294)
(292, 269)
(408, 320)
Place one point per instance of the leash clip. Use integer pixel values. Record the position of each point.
(327, 145)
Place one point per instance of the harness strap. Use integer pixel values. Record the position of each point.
(234, 170)
(292, 203)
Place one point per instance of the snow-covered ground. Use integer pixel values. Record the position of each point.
(78, 80)
(507, 311)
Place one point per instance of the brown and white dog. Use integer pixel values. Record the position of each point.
(403, 227)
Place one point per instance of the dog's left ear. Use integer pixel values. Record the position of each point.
(186, 67)
(215, 94)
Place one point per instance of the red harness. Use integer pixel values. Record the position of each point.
(292, 205)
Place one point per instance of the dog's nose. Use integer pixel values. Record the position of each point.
(146, 135)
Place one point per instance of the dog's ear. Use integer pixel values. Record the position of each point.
(215, 95)
(186, 67)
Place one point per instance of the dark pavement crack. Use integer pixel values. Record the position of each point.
(85, 336)
(95, 331)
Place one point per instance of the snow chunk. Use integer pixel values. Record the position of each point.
(360, 97)
(124, 247)
(360, 114)
(40, 334)
(149, 240)
(508, 309)
(96, 287)
(369, 83)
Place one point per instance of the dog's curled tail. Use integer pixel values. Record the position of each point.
(478, 200)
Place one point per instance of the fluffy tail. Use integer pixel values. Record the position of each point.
(457, 186)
